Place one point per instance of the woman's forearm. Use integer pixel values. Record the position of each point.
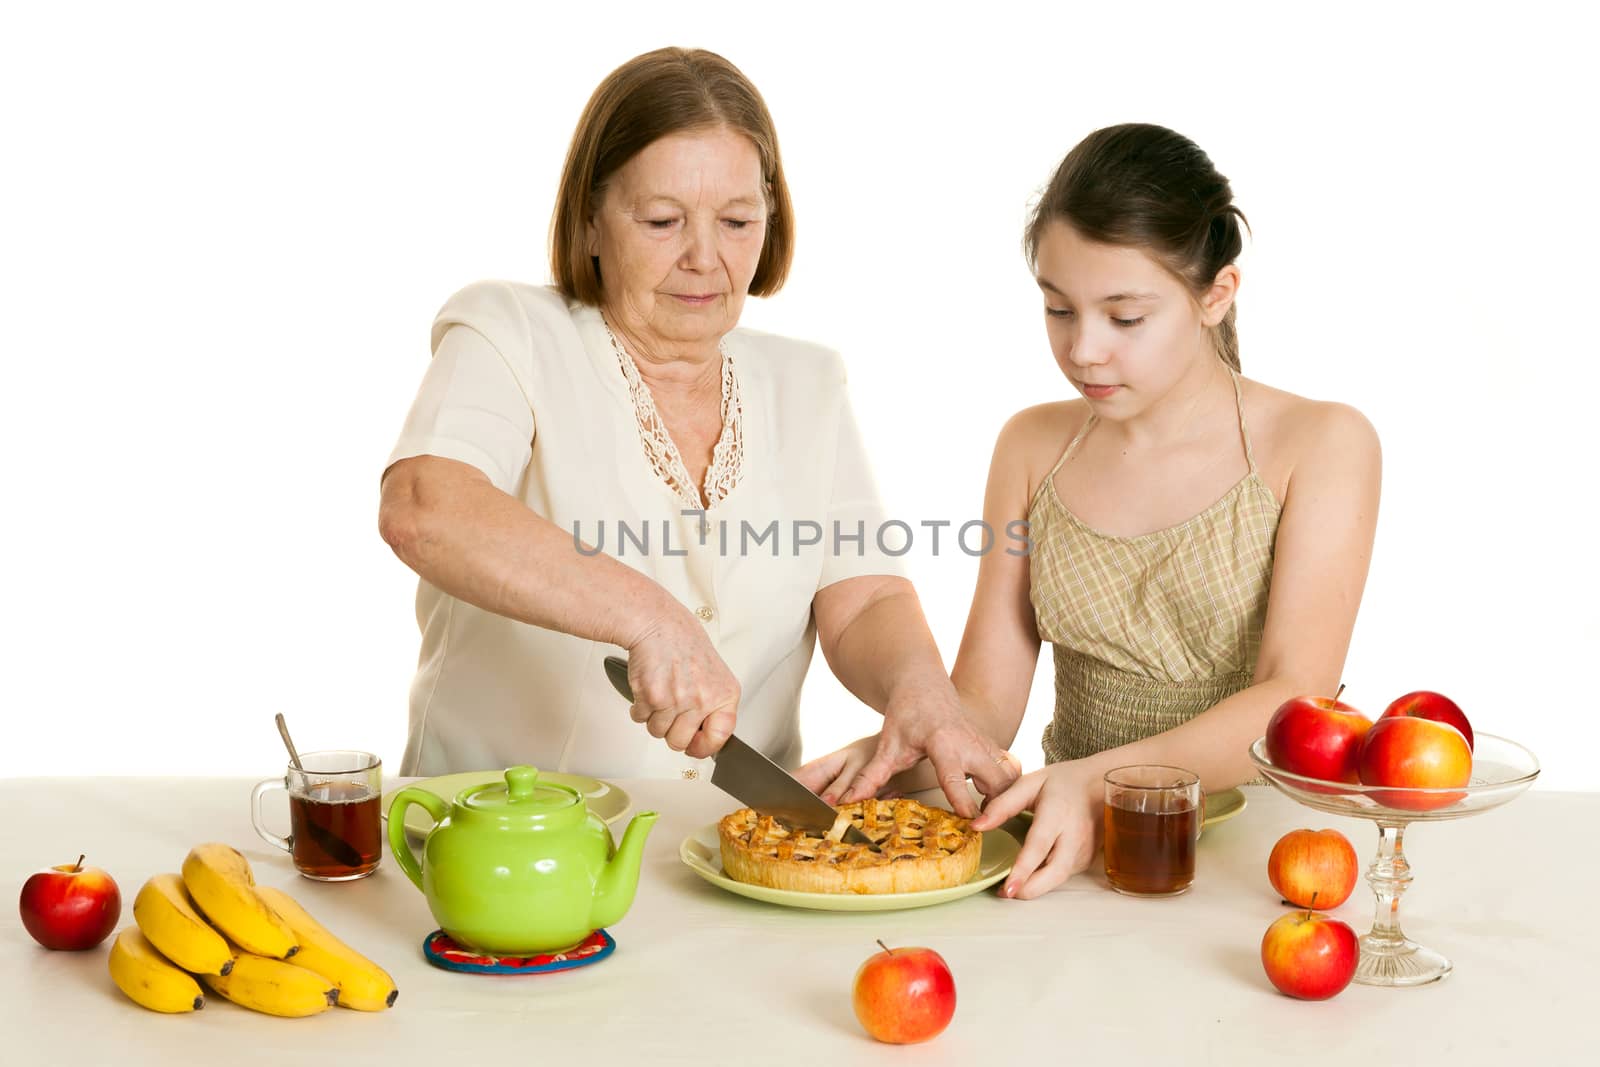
(476, 543)
(883, 646)
(886, 655)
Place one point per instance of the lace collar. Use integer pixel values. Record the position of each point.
(727, 456)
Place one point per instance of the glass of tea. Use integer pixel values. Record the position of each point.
(334, 797)
(1153, 817)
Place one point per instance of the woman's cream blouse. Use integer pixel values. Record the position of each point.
(527, 388)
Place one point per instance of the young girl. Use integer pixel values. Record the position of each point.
(1199, 541)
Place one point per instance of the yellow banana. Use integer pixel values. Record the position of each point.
(148, 978)
(275, 987)
(363, 985)
(168, 920)
(219, 881)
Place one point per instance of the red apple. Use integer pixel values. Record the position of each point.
(1308, 865)
(1310, 955)
(1426, 704)
(1317, 737)
(904, 995)
(70, 906)
(1415, 754)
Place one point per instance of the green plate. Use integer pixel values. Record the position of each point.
(605, 800)
(702, 853)
(1221, 806)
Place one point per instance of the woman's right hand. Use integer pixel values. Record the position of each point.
(682, 691)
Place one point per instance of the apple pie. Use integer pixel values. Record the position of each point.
(915, 848)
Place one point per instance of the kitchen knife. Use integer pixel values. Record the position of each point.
(754, 780)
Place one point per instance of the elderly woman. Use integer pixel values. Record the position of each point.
(611, 465)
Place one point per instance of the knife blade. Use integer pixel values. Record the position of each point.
(754, 780)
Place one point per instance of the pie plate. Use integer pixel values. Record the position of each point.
(604, 799)
(702, 853)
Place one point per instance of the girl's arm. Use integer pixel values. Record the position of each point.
(1321, 555)
(1000, 646)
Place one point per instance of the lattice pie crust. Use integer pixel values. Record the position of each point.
(919, 848)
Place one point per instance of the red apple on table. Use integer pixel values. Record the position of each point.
(1313, 865)
(1415, 754)
(1426, 704)
(1317, 737)
(904, 995)
(1310, 955)
(70, 906)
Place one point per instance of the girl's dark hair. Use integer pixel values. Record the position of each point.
(1146, 187)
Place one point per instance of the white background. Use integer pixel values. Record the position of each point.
(225, 236)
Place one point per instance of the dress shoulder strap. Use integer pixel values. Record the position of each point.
(1244, 427)
(1072, 446)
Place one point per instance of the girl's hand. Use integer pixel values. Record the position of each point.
(1061, 841)
(682, 691)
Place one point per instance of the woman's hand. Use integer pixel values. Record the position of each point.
(1061, 841)
(682, 691)
(928, 720)
(829, 776)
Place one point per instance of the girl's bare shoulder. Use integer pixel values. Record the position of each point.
(1033, 439)
(1290, 431)
(1043, 428)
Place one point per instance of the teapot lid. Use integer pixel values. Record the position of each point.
(522, 794)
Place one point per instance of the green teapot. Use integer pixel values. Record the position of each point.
(520, 867)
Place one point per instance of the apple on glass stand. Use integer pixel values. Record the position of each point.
(1318, 737)
(1417, 754)
(1426, 704)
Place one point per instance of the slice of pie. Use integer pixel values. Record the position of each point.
(917, 848)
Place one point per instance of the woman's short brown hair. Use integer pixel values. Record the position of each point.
(670, 90)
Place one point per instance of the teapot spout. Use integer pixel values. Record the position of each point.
(613, 895)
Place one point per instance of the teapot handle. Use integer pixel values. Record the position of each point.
(435, 806)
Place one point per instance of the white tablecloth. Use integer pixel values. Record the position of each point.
(703, 976)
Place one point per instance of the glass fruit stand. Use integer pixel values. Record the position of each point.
(1501, 769)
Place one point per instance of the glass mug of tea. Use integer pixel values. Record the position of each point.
(1153, 817)
(334, 831)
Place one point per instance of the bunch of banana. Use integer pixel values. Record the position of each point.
(256, 946)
